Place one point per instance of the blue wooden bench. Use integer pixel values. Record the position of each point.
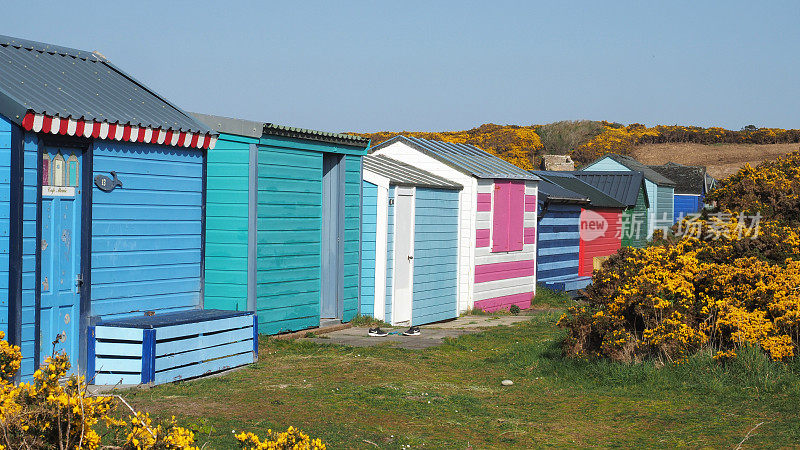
(169, 347)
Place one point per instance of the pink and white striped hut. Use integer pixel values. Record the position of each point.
(497, 219)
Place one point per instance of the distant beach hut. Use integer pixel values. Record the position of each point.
(660, 189)
(600, 221)
(629, 189)
(558, 242)
(692, 184)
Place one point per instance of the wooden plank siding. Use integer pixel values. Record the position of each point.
(352, 235)
(611, 165)
(559, 242)
(5, 224)
(289, 237)
(686, 205)
(146, 236)
(227, 214)
(507, 277)
(601, 244)
(435, 289)
(635, 223)
(664, 207)
(389, 258)
(368, 247)
(468, 200)
(29, 193)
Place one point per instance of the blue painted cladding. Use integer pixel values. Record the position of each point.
(389, 257)
(28, 325)
(368, 237)
(559, 239)
(289, 238)
(5, 213)
(352, 235)
(146, 235)
(685, 205)
(435, 256)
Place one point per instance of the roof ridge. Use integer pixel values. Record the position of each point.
(49, 48)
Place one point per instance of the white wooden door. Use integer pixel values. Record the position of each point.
(403, 255)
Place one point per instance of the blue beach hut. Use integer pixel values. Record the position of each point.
(101, 219)
(558, 235)
(409, 267)
(692, 184)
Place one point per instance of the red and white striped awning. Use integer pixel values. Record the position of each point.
(43, 123)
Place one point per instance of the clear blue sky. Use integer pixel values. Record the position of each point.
(436, 65)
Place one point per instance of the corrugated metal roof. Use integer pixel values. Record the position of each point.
(68, 83)
(688, 179)
(622, 186)
(250, 128)
(553, 193)
(305, 133)
(566, 180)
(404, 174)
(467, 158)
(633, 164)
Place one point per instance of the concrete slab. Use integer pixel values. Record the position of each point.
(431, 335)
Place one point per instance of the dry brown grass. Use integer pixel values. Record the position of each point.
(721, 160)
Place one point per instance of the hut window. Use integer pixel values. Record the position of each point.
(59, 171)
(45, 169)
(73, 171)
(508, 216)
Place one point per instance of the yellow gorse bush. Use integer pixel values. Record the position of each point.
(290, 439)
(673, 299)
(616, 138)
(56, 411)
(772, 188)
(516, 144)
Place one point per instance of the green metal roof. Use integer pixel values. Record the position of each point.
(305, 133)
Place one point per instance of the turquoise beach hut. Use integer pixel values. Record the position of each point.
(283, 223)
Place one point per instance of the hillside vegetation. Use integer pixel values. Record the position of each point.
(723, 282)
(723, 151)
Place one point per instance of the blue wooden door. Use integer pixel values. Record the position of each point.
(332, 236)
(59, 309)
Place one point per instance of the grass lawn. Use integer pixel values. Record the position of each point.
(451, 397)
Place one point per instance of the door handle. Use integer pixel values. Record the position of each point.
(410, 257)
(79, 282)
